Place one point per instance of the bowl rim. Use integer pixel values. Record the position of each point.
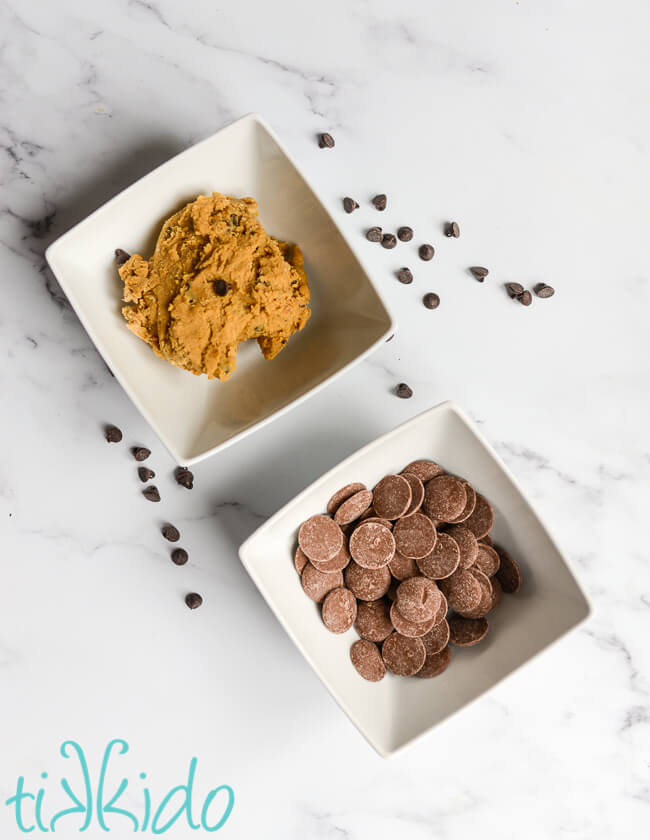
(440, 408)
(52, 253)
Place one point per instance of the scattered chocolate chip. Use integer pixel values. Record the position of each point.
(151, 493)
(431, 300)
(171, 533)
(380, 201)
(526, 298)
(145, 474)
(479, 272)
(222, 288)
(405, 234)
(405, 275)
(179, 556)
(544, 291)
(426, 251)
(184, 477)
(141, 453)
(514, 290)
(403, 391)
(452, 229)
(112, 434)
(193, 600)
(121, 256)
(326, 141)
(374, 234)
(390, 338)
(388, 240)
(349, 204)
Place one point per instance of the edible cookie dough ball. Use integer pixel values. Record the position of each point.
(216, 278)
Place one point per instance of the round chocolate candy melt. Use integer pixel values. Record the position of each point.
(402, 655)
(372, 545)
(339, 610)
(320, 538)
(366, 658)
(392, 497)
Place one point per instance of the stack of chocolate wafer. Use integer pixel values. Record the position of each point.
(410, 564)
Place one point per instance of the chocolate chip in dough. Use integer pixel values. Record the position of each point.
(193, 600)
(349, 204)
(151, 493)
(374, 234)
(380, 201)
(171, 533)
(405, 233)
(426, 252)
(404, 391)
(325, 141)
(405, 275)
(222, 288)
(113, 434)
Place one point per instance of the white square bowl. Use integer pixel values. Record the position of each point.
(195, 417)
(395, 711)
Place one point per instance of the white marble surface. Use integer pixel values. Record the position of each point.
(526, 122)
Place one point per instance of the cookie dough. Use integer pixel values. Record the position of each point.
(216, 278)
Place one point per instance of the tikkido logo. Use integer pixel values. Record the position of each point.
(94, 806)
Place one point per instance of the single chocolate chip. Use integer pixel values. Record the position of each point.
(374, 234)
(222, 288)
(326, 141)
(452, 229)
(431, 300)
(349, 204)
(179, 556)
(405, 234)
(388, 240)
(526, 298)
(390, 338)
(404, 275)
(184, 477)
(403, 391)
(112, 434)
(426, 251)
(141, 453)
(380, 201)
(145, 474)
(121, 256)
(151, 493)
(515, 290)
(479, 272)
(235, 220)
(171, 533)
(544, 291)
(193, 600)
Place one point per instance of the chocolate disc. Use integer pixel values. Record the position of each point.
(482, 518)
(487, 560)
(436, 639)
(317, 584)
(424, 470)
(372, 545)
(417, 492)
(496, 592)
(392, 497)
(467, 544)
(442, 610)
(418, 599)
(386, 522)
(402, 655)
(353, 507)
(463, 591)
(320, 538)
(465, 632)
(336, 564)
(485, 604)
(469, 505)
(412, 629)
(487, 539)
(435, 664)
(444, 497)
(415, 536)
(341, 495)
(392, 590)
(366, 658)
(367, 584)
(402, 567)
(339, 610)
(509, 574)
(373, 620)
(443, 560)
(300, 560)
